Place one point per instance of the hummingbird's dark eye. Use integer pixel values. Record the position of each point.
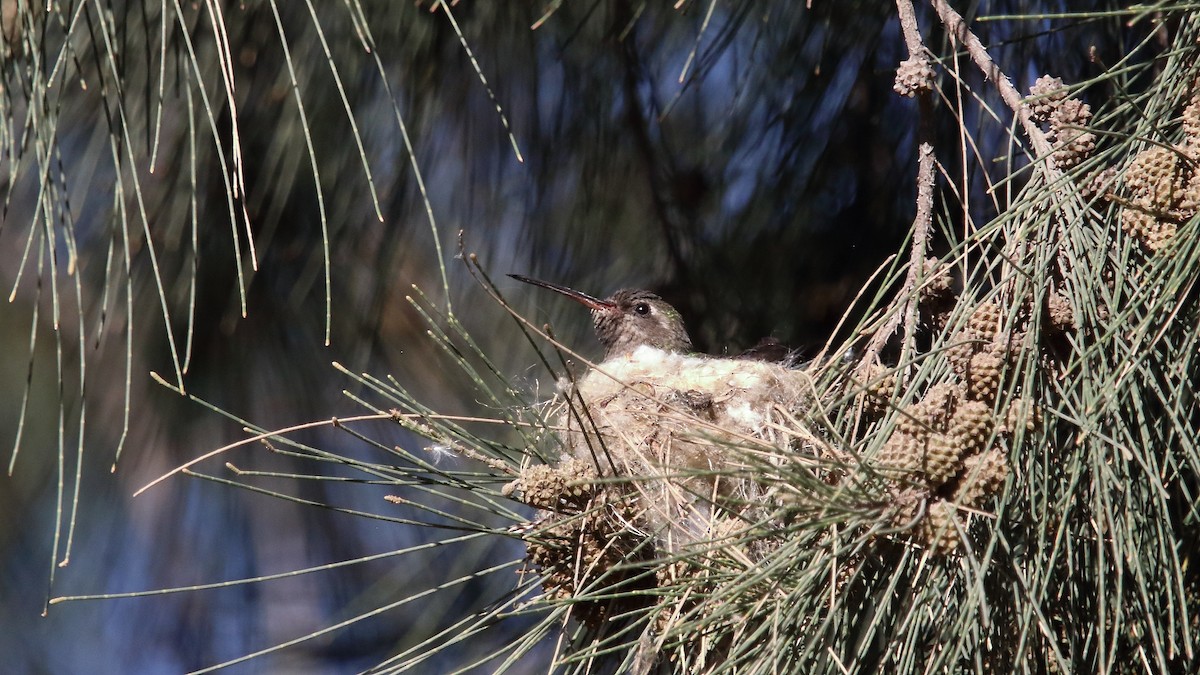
(642, 308)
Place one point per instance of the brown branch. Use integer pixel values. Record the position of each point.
(916, 48)
(957, 27)
(922, 222)
(908, 27)
(954, 23)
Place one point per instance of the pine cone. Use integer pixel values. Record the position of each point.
(939, 529)
(1073, 143)
(937, 280)
(1191, 120)
(1158, 181)
(901, 452)
(981, 479)
(1060, 312)
(1099, 183)
(1044, 97)
(984, 322)
(973, 424)
(1160, 235)
(941, 459)
(878, 384)
(984, 374)
(936, 407)
(1137, 223)
(1021, 414)
(915, 75)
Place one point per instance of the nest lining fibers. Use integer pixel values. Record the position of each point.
(665, 449)
(688, 436)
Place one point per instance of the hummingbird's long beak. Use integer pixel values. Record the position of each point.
(581, 298)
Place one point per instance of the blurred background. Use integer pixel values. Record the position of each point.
(747, 161)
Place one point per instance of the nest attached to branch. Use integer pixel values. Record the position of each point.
(666, 457)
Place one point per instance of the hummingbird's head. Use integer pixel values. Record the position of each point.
(632, 318)
(629, 319)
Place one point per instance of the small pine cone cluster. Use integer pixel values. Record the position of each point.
(973, 425)
(671, 574)
(1191, 122)
(944, 449)
(1073, 142)
(984, 372)
(979, 480)
(1163, 188)
(982, 478)
(1065, 119)
(979, 353)
(934, 410)
(939, 530)
(919, 444)
(915, 75)
(943, 521)
(878, 383)
(561, 488)
(934, 434)
(1060, 313)
(1159, 237)
(1045, 96)
(573, 551)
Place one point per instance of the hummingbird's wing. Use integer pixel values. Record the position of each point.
(768, 349)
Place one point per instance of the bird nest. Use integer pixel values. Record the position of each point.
(674, 467)
(668, 460)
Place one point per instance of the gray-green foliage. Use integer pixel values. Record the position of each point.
(1085, 563)
(136, 178)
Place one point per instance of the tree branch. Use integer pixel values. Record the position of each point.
(957, 27)
(923, 220)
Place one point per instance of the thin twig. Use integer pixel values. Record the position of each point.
(908, 27)
(916, 265)
(916, 47)
(922, 223)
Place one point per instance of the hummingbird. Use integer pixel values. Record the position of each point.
(628, 319)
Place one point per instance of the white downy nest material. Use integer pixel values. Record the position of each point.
(693, 433)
